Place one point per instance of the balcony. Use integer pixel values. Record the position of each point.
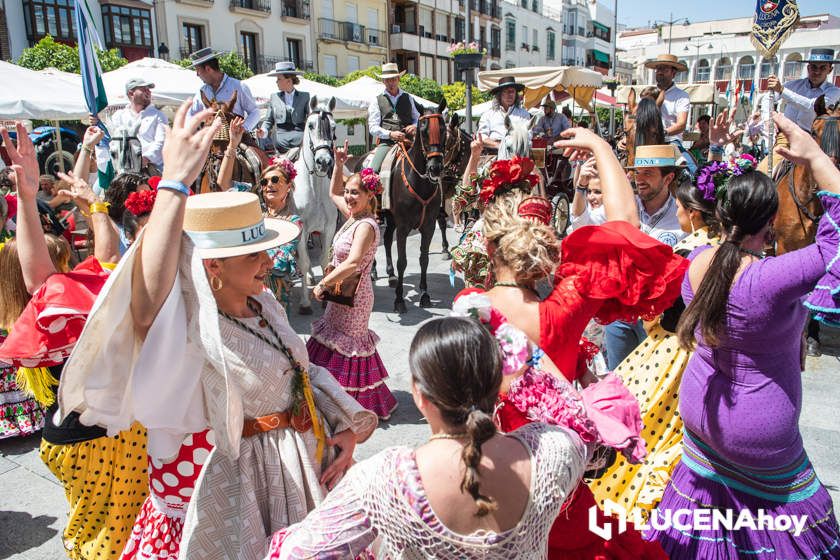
(262, 6)
(495, 52)
(333, 30)
(202, 3)
(298, 10)
(266, 63)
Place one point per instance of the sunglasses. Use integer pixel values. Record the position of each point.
(274, 180)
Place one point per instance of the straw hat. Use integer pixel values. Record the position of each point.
(227, 224)
(285, 68)
(657, 155)
(822, 55)
(666, 60)
(390, 70)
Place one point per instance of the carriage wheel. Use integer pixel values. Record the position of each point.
(560, 216)
(51, 162)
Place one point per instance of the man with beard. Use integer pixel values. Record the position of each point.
(153, 123)
(676, 104)
(220, 87)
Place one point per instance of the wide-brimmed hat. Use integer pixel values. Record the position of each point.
(390, 70)
(548, 102)
(657, 155)
(136, 83)
(203, 55)
(227, 224)
(285, 68)
(666, 60)
(507, 81)
(822, 55)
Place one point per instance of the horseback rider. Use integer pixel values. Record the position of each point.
(287, 109)
(393, 116)
(152, 130)
(218, 86)
(552, 123)
(675, 103)
(507, 102)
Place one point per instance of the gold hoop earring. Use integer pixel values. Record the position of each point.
(213, 286)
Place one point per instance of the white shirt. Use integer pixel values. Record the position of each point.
(799, 97)
(663, 224)
(492, 122)
(151, 133)
(245, 105)
(676, 102)
(375, 116)
(589, 217)
(289, 98)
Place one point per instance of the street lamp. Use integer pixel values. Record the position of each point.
(670, 23)
(697, 46)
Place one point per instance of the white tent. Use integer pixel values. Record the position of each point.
(173, 84)
(263, 85)
(365, 89)
(580, 83)
(35, 95)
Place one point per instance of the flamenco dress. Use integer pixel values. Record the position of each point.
(652, 373)
(740, 403)
(104, 478)
(20, 414)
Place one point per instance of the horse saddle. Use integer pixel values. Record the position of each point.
(385, 176)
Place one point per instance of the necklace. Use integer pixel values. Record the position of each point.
(755, 254)
(444, 435)
(514, 285)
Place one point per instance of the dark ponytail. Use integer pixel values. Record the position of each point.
(649, 128)
(750, 202)
(692, 198)
(456, 363)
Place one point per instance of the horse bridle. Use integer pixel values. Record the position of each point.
(434, 136)
(324, 145)
(803, 206)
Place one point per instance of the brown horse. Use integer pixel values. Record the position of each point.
(250, 160)
(799, 207)
(456, 154)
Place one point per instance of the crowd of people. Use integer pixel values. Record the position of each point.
(649, 360)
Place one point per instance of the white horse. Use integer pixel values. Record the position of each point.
(516, 141)
(312, 188)
(125, 149)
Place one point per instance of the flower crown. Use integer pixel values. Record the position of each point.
(370, 180)
(713, 178)
(506, 175)
(286, 165)
(140, 202)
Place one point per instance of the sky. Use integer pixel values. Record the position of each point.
(637, 13)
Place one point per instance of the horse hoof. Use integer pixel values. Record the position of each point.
(425, 300)
(305, 310)
(392, 281)
(399, 307)
(447, 256)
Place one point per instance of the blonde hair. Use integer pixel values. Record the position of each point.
(531, 249)
(12, 285)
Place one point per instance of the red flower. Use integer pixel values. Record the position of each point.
(11, 202)
(507, 173)
(153, 182)
(140, 202)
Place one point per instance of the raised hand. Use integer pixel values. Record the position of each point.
(237, 131)
(588, 171)
(476, 145)
(186, 146)
(93, 135)
(719, 129)
(79, 191)
(803, 149)
(24, 161)
(579, 143)
(342, 154)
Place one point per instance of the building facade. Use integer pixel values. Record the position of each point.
(588, 33)
(350, 35)
(531, 34)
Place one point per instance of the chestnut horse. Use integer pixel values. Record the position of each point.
(799, 207)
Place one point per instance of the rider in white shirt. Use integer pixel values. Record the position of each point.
(221, 87)
(507, 102)
(676, 104)
(799, 95)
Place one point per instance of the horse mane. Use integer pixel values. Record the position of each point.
(649, 129)
(519, 141)
(830, 138)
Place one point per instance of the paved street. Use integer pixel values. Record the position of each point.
(32, 504)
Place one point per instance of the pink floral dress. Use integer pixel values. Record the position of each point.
(341, 341)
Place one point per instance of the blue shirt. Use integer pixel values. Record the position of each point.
(245, 105)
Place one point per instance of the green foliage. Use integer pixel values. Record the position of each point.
(371, 72)
(230, 63)
(322, 79)
(48, 53)
(456, 95)
(604, 115)
(422, 87)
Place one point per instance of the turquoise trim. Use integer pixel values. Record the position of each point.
(655, 162)
(754, 471)
(828, 193)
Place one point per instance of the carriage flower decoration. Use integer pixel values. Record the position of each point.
(285, 165)
(714, 177)
(465, 48)
(370, 180)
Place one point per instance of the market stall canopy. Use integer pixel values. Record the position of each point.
(35, 95)
(481, 108)
(699, 94)
(580, 83)
(365, 89)
(263, 85)
(173, 83)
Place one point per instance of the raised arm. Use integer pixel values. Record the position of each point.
(583, 174)
(93, 135)
(237, 130)
(106, 240)
(184, 152)
(804, 150)
(476, 146)
(32, 249)
(337, 181)
(619, 201)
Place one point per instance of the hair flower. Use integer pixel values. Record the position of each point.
(508, 174)
(285, 165)
(370, 180)
(140, 203)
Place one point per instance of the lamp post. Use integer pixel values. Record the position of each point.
(697, 46)
(670, 23)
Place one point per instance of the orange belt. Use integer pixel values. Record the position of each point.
(277, 421)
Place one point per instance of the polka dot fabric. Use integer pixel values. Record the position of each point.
(157, 532)
(105, 481)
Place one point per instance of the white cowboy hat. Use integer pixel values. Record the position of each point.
(390, 70)
(285, 68)
(203, 55)
(822, 55)
(227, 224)
(666, 60)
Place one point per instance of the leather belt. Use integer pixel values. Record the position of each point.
(278, 421)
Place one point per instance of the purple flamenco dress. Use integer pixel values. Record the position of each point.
(341, 341)
(740, 403)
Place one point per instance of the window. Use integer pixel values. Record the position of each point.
(327, 9)
(746, 68)
(535, 6)
(536, 41)
(495, 42)
(294, 50)
(248, 49)
(510, 35)
(330, 65)
(601, 31)
(352, 12)
(127, 26)
(702, 71)
(793, 68)
(459, 29)
(724, 69)
(193, 37)
(550, 42)
(525, 36)
(682, 77)
(352, 63)
(49, 17)
(767, 67)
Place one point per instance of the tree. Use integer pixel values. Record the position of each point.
(322, 79)
(230, 63)
(456, 95)
(422, 87)
(48, 53)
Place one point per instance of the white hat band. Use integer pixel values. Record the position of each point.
(229, 237)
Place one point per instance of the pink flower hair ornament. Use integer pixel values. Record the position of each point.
(286, 165)
(370, 181)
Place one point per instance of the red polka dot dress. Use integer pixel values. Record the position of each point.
(157, 531)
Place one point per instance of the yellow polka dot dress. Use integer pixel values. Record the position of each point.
(106, 481)
(653, 373)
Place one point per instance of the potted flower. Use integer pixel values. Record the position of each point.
(467, 55)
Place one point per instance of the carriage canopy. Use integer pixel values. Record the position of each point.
(539, 81)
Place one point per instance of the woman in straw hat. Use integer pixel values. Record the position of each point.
(208, 346)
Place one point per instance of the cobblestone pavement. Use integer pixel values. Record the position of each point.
(32, 504)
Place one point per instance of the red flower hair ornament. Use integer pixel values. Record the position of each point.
(371, 181)
(506, 175)
(286, 165)
(140, 202)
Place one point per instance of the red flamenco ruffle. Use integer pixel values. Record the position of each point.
(52, 321)
(634, 274)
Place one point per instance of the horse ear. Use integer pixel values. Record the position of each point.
(631, 100)
(508, 124)
(454, 120)
(442, 105)
(232, 103)
(313, 102)
(332, 104)
(204, 100)
(819, 105)
(532, 122)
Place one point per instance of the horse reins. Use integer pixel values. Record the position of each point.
(434, 139)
